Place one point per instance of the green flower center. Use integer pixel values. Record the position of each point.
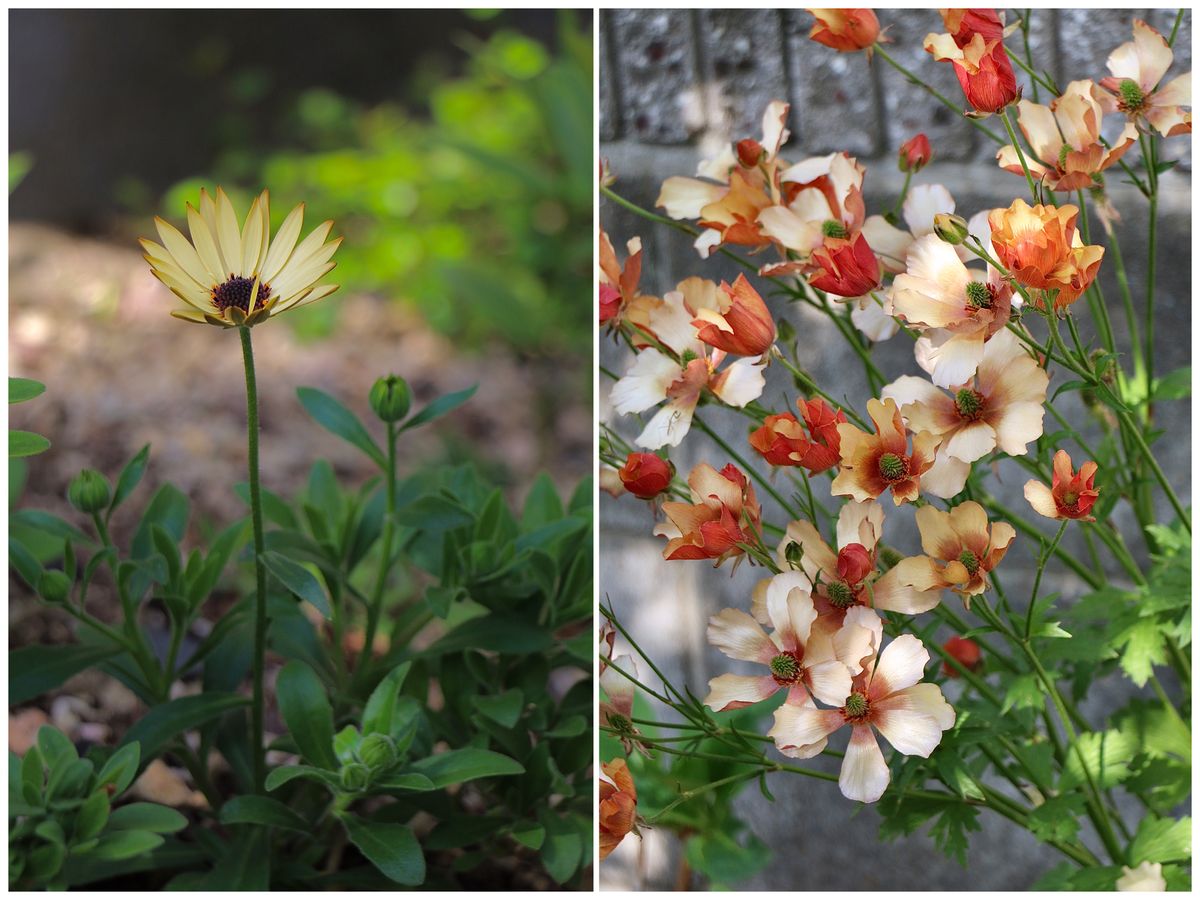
(785, 668)
(839, 594)
(1132, 98)
(1063, 153)
(979, 296)
(1070, 499)
(688, 356)
(833, 228)
(856, 706)
(893, 467)
(237, 292)
(620, 723)
(970, 561)
(969, 403)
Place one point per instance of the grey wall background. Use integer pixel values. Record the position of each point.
(674, 86)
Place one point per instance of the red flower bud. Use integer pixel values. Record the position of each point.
(845, 30)
(965, 651)
(610, 302)
(646, 475)
(854, 564)
(915, 154)
(742, 326)
(846, 267)
(749, 153)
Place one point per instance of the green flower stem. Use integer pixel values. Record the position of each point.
(1159, 475)
(1175, 27)
(1095, 294)
(746, 467)
(812, 386)
(1037, 581)
(1147, 142)
(1131, 322)
(948, 616)
(258, 728)
(685, 796)
(1095, 580)
(875, 378)
(933, 92)
(1027, 67)
(1113, 541)
(375, 607)
(1012, 136)
(1180, 662)
(903, 193)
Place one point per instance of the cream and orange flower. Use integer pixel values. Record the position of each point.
(873, 463)
(1135, 86)
(956, 308)
(733, 188)
(961, 549)
(887, 696)
(740, 324)
(975, 46)
(1001, 407)
(1066, 139)
(1071, 495)
(724, 513)
(845, 30)
(683, 369)
(233, 275)
(848, 577)
(823, 201)
(618, 283)
(783, 441)
(792, 664)
(617, 710)
(618, 805)
(1041, 248)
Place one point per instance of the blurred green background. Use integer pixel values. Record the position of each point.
(453, 148)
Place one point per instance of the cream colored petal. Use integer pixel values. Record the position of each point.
(683, 198)
(971, 442)
(969, 519)
(913, 720)
(1018, 426)
(829, 681)
(670, 425)
(889, 242)
(743, 383)
(874, 321)
(781, 224)
(738, 636)
(919, 572)
(808, 169)
(857, 642)
(955, 356)
(1041, 499)
(860, 523)
(727, 692)
(901, 665)
(817, 558)
(1153, 55)
(812, 205)
(206, 246)
(1176, 92)
(280, 249)
(183, 253)
(938, 536)
(891, 594)
(946, 477)
(799, 728)
(646, 383)
(923, 203)
(790, 608)
(229, 236)
(921, 403)
(1039, 126)
(864, 776)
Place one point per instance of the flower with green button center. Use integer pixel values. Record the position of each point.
(969, 403)
(970, 561)
(892, 466)
(833, 228)
(785, 667)
(979, 295)
(857, 706)
(1132, 96)
(840, 594)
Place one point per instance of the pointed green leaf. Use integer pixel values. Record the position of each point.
(298, 580)
(391, 848)
(306, 710)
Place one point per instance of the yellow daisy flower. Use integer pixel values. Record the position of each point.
(231, 277)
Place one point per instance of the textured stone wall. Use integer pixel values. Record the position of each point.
(675, 85)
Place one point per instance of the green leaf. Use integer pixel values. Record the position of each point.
(542, 506)
(164, 723)
(1174, 385)
(529, 834)
(120, 769)
(434, 512)
(345, 743)
(130, 478)
(504, 708)
(1057, 819)
(1107, 755)
(306, 710)
(298, 580)
(391, 848)
(124, 844)
(254, 810)
(562, 849)
(1144, 649)
(440, 407)
(26, 443)
(467, 764)
(92, 816)
(244, 866)
(34, 670)
(331, 415)
(377, 714)
(410, 781)
(22, 389)
(280, 776)
(146, 817)
(1162, 840)
(1024, 692)
(494, 632)
(55, 747)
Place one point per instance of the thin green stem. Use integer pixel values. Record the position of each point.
(258, 727)
(1131, 320)
(1095, 294)
(1012, 136)
(1147, 142)
(375, 607)
(1094, 579)
(1037, 580)
(933, 92)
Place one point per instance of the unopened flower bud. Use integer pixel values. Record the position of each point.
(390, 398)
(89, 491)
(951, 229)
(915, 154)
(355, 776)
(965, 652)
(54, 586)
(793, 553)
(377, 751)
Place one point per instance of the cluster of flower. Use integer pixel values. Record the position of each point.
(985, 393)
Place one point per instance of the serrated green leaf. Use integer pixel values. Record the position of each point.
(1162, 840)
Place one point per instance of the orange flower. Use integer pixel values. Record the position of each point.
(723, 514)
(845, 30)
(741, 324)
(976, 48)
(846, 267)
(618, 805)
(1065, 137)
(966, 652)
(822, 199)
(782, 440)
(915, 154)
(872, 463)
(1041, 248)
(1137, 70)
(646, 475)
(1072, 494)
(618, 284)
(963, 543)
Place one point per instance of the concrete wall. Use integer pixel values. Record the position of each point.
(675, 84)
